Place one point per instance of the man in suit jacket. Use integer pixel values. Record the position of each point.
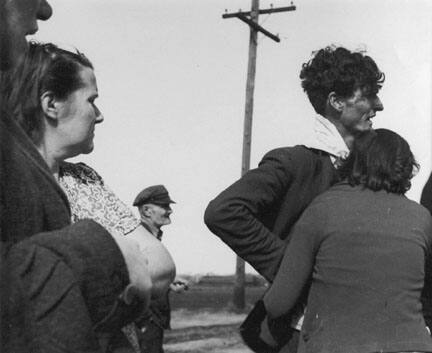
(60, 283)
(254, 215)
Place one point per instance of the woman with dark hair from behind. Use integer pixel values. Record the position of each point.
(359, 252)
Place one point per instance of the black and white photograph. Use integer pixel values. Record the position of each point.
(215, 176)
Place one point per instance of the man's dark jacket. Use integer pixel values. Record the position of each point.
(255, 214)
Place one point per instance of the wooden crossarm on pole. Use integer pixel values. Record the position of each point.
(257, 27)
(261, 12)
(249, 16)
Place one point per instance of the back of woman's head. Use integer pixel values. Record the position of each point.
(380, 160)
(44, 68)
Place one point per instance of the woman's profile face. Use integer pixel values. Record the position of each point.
(78, 115)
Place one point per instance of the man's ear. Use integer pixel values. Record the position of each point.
(144, 210)
(335, 101)
(50, 105)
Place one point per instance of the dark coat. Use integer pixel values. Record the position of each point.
(426, 196)
(254, 215)
(31, 199)
(365, 251)
(56, 286)
(426, 201)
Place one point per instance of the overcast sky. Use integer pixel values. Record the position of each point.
(172, 75)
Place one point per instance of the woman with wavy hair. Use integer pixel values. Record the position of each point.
(358, 252)
(53, 93)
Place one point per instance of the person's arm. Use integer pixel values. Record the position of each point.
(160, 263)
(265, 328)
(297, 264)
(64, 285)
(42, 306)
(233, 214)
(104, 267)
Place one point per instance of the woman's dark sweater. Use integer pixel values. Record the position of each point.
(366, 254)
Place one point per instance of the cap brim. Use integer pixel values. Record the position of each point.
(159, 203)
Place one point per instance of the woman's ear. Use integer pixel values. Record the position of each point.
(335, 101)
(50, 105)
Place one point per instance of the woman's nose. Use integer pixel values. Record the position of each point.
(99, 115)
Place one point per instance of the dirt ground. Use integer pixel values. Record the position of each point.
(199, 332)
(203, 319)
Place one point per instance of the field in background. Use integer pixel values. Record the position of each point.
(203, 318)
(215, 293)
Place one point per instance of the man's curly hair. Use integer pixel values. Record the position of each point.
(336, 69)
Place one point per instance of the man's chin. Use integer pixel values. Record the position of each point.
(361, 130)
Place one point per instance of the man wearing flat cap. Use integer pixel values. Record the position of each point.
(154, 207)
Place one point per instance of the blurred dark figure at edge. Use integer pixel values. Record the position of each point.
(58, 284)
(426, 196)
(426, 201)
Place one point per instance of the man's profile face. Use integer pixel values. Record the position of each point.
(358, 111)
(19, 19)
(159, 214)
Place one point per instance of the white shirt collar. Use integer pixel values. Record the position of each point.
(328, 139)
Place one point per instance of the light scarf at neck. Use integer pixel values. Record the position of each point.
(328, 139)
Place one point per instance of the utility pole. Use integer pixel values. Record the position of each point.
(250, 18)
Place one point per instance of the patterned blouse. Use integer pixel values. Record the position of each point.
(89, 197)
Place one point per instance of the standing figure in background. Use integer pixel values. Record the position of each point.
(254, 215)
(154, 207)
